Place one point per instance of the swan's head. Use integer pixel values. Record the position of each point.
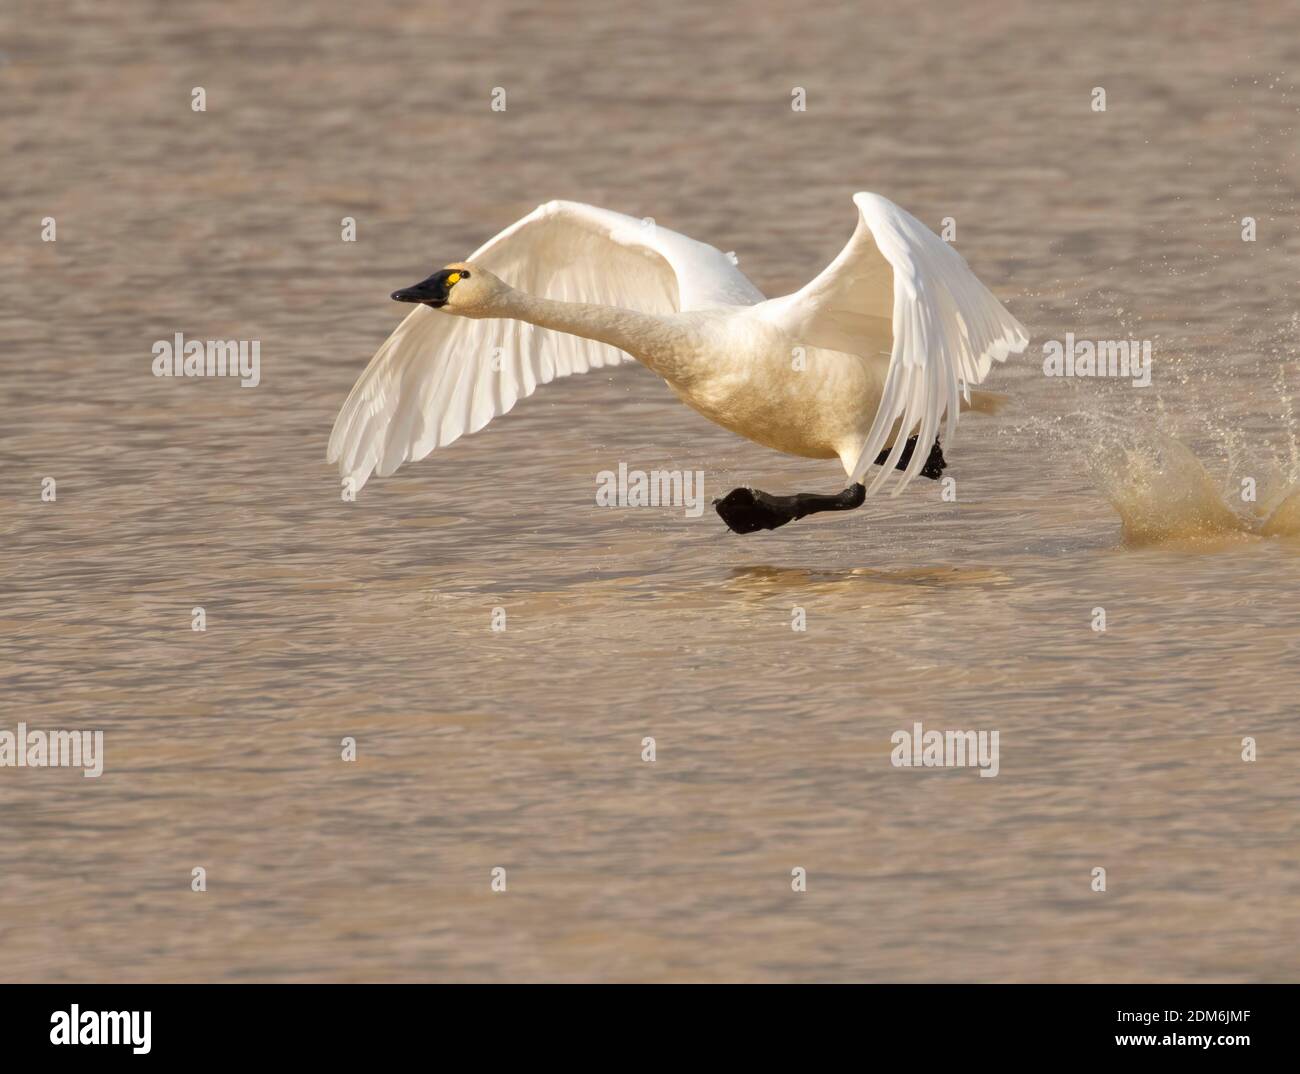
(461, 288)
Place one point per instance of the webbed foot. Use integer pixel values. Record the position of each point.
(747, 510)
(934, 465)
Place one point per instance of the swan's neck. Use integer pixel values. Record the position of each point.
(660, 342)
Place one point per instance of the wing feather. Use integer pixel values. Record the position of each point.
(947, 328)
(948, 331)
(439, 376)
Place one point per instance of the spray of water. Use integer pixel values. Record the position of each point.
(1163, 492)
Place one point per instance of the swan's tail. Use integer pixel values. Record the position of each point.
(986, 402)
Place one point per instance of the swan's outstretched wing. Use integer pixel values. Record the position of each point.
(439, 376)
(947, 328)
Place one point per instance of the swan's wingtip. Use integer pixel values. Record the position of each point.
(354, 482)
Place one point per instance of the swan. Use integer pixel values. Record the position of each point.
(889, 337)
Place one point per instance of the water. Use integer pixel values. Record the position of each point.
(522, 749)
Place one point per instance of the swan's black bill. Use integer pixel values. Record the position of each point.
(431, 292)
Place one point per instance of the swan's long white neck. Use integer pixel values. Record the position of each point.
(663, 343)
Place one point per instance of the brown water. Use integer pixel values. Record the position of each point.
(521, 749)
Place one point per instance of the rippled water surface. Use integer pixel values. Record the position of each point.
(522, 748)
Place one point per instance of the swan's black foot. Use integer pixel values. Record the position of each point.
(933, 467)
(748, 510)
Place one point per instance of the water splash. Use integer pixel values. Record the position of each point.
(1161, 488)
(1164, 493)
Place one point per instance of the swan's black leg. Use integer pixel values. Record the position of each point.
(933, 467)
(747, 510)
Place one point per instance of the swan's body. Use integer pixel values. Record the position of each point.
(890, 336)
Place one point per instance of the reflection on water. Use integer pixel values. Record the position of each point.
(776, 578)
(521, 747)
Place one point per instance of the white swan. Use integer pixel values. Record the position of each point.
(888, 337)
